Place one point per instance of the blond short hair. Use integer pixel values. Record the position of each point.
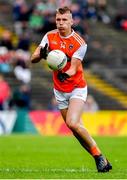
(64, 10)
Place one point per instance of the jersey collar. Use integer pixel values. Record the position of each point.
(67, 36)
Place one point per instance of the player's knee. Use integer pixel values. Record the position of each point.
(72, 125)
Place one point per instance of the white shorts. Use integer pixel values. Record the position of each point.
(63, 98)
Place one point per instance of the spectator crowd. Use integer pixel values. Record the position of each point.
(38, 17)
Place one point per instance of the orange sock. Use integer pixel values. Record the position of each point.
(95, 151)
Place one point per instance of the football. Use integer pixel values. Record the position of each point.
(56, 60)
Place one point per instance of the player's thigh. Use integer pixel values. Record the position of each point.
(75, 110)
(64, 113)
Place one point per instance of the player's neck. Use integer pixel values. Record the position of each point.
(67, 33)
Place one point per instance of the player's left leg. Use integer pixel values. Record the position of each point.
(73, 121)
(72, 118)
(78, 137)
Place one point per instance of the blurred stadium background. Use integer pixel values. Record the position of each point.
(26, 101)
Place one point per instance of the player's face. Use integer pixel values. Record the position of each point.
(64, 23)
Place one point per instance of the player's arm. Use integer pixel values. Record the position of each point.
(39, 53)
(71, 71)
(76, 60)
(75, 63)
(36, 55)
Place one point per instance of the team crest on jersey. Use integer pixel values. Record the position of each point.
(71, 46)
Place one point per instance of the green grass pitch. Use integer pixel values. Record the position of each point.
(38, 157)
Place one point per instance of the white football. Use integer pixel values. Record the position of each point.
(56, 59)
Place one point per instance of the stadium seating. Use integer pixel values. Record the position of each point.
(105, 67)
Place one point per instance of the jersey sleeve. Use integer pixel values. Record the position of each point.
(44, 41)
(80, 53)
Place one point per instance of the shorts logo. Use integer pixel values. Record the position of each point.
(80, 95)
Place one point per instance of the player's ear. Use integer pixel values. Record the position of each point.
(72, 22)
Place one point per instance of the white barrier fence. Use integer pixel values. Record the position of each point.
(7, 121)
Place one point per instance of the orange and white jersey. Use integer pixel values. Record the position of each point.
(73, 46)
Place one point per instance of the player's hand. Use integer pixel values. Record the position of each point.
(62, 76)
(44, 52)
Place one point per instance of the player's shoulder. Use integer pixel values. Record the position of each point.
(78, 38)
(55, 31)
